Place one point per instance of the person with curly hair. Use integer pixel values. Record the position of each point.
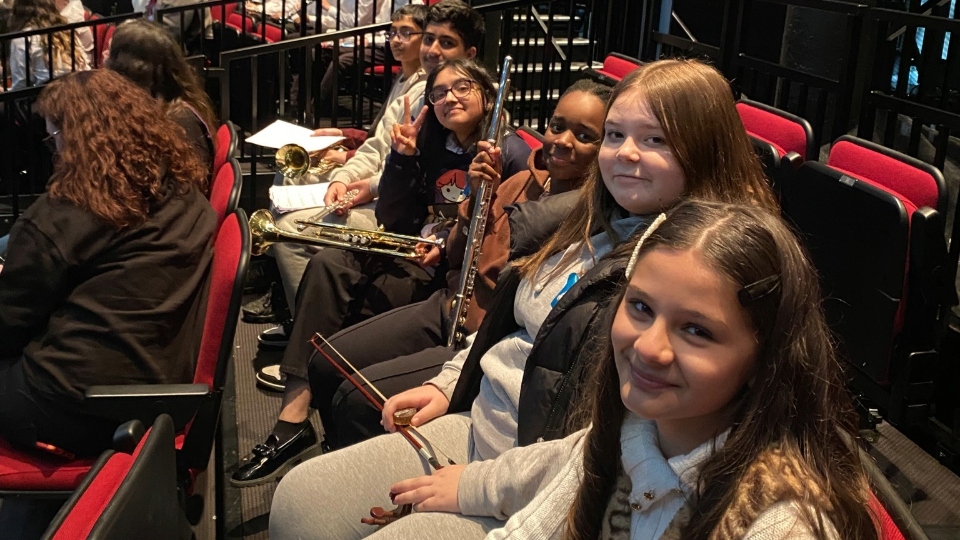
(103, 282)
(146, 53)
(67, 54)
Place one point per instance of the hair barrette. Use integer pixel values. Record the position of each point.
(643, 238)
(758, 289)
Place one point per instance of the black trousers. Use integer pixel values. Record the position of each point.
(27, 417)
(396, 351)
(341, 288)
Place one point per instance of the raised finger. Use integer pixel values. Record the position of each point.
(406, 109)
(420, 117)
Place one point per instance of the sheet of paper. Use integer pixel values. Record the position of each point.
(289, 198)
(280, 133)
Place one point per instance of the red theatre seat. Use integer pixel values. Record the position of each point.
(787, 131)
(530, 136)
(880, 250)
(225, 191)
(920, 183)
(616, 66)
(195, 408)
(782, 140)
(226, 145)
(127, 495)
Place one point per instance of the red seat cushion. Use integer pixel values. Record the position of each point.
(219, 13)
(220, 192)
(379, 69)
(32, 471)
(81, 519)
(223, 146)
(616, 67)
(775, 129)
(916, 185)
(887, 529)
(533, 142)
(227, 251)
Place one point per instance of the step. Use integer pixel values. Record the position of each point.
(533, 95)
(560, 41)
(536, 71)
(557, 18)
(537, 67)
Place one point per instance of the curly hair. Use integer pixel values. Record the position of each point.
(794, 427)
(37, 14)
(147, 54)
(120, 155)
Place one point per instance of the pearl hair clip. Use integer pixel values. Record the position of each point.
(643, 238)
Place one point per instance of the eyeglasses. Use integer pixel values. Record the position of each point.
(50, 141)
(403, 33)
(460, 89)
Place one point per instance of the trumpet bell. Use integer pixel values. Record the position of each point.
(293, 160)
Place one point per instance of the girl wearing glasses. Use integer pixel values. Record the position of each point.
(432, 154)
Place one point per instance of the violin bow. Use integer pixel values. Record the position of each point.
(420, 448)
(383, 399)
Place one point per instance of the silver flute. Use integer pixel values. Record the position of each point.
(478, 223)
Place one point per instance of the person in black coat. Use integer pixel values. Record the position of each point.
(106, 271)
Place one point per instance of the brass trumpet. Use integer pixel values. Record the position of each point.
(264, 232)
(294, 162)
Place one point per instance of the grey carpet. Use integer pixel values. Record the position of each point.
(256, 413)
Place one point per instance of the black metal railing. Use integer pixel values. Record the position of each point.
(257, 84)
(29, 42)
(262, 69)
(827, 101)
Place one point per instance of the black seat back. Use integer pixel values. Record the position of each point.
(857, 235)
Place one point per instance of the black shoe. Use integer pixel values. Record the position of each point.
(263, 271)
(271, 378)
(271, 307)
(277, 337)
(273, 458)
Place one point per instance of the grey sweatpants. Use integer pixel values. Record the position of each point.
(325, 497)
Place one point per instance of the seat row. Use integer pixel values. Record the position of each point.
(185, 417)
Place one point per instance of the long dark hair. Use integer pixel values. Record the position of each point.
(120, 165)
(147, 54)
(796, 414)
(432, 129)
(694, 105)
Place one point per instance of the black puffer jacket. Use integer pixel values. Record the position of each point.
(565, 343)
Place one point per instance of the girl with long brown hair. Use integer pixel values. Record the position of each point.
(104, 274)
(717, 407)
(670, 130)
(68, 55)
(146, 53)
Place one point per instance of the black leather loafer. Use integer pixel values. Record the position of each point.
(273, 458)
